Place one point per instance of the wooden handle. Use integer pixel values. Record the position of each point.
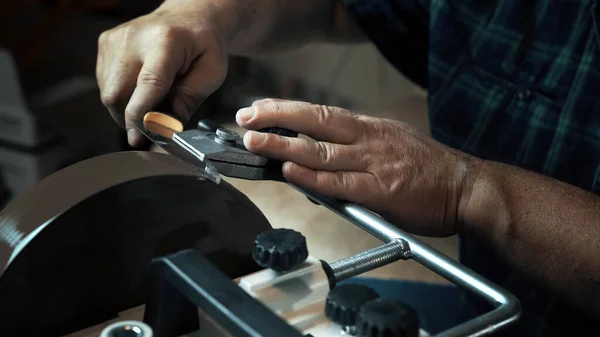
(162, 124)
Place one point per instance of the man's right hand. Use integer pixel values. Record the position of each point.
(174, 53)
(179, 51)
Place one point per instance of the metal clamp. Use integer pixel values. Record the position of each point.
(187, 281)
(507, 307)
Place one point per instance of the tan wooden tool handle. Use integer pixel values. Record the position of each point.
(162, 124)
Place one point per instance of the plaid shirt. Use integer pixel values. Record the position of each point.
(515, 81)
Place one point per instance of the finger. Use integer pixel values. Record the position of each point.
(153, 83)
(117, 84)
(116, 72)
(100, 61)
(101, 58)
(355, 187)
(320, 122)
(308, 153)
(205, 75)
(102, 72)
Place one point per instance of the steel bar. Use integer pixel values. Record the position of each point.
(507, 307)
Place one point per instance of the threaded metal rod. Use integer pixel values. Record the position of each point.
(369, 260)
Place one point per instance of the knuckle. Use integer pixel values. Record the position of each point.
(362, 125)
(263, 101)
(274, 108)
(284, 143)
(271, 140)
(324, 114)
(166, 33)
(369, 161)
(265, 108)
(324, 152)
(341, 181)
(269, 104)
(128, 33)
(148, 77)
(103, 38)
(110, 99)
(346, 180)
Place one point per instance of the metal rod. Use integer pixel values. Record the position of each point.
(369, 260)
(507, 306)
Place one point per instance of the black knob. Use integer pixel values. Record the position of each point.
(280, 249)
(387, 318)
(280, 131)
(208, 125)
(344, 302)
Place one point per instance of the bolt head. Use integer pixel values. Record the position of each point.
(227, 135)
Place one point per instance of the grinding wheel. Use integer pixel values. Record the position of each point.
(76, 248)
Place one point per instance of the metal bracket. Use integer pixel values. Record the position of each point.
(507, 308)
(186, 281)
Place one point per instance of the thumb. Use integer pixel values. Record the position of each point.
(153, 83)
(205, 75)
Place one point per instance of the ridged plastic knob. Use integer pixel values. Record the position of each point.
(387, 318)
(344, 302)
(208, 125)
(280, 249)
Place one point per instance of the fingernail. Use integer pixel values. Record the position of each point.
(256, 138)
(244, 115)
(286, 167)
(133, 137)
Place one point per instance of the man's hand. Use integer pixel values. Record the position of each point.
(535, 223)
(179, 51)
(385, 165)
(173, 53)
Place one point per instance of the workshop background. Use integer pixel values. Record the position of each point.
(51, 115)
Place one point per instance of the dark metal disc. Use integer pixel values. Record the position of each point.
(77, 247)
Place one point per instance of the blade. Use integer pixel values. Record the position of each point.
(204, 168)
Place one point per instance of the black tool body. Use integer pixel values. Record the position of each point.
(225, 150)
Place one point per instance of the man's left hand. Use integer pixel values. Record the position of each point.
(384, 165)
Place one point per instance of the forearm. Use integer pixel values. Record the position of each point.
(257, 26)
(547, 229)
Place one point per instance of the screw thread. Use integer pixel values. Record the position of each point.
(369, 260)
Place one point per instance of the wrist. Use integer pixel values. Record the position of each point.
(484, 208)
(232, 24)
(242, 26)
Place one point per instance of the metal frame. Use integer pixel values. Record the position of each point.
(186, 281)
(507, 307)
